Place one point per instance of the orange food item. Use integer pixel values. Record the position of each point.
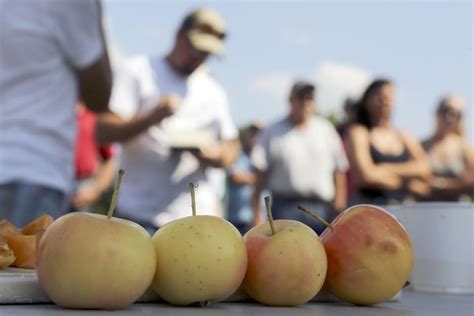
(6, 254)
(41, 223)
(24, 248)
(8, 229)
(38, 235)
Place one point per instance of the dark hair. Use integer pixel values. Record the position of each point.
(443, 106)
(302, 89)
(363, 116)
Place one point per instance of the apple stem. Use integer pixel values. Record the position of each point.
(191, 187)
(269, 214)
(316, 216)
(110, 212)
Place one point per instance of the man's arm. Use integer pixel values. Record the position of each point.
(88, 195)
(95, 81)
(95, 84)
(220, 155)
(257, 191)
(111, 128)
(340, 184)
(243, 177)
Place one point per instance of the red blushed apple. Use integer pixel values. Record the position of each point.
(370, 255)
(285, 268)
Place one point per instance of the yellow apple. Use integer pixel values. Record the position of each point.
(92, 261)
(200, 259)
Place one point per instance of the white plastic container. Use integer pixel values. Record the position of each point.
(443, 240)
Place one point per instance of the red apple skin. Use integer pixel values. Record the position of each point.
(370, 255)
(285, 269)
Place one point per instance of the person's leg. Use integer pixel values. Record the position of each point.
(149, 227)
(242, 227)
(288, 209)
(317, 208)
(283, 208)
(325, 211)
(25, 202)
(7, 200)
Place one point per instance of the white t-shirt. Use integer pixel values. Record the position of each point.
(155, 186)
(300, 162)
(42, 44)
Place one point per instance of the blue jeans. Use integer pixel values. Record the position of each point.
(287, 208)
(21, 203)
(149, 227)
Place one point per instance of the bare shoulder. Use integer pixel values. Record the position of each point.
(467, 146)
(358, 131)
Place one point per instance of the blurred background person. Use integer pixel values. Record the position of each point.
(350, 118)
(389, 165)
(51, 52)
(450, 153)
(157, 98)
(300, 160)
(96, 166)
(241, 180)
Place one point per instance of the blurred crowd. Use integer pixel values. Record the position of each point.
(69, 121)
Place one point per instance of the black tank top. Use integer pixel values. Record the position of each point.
(380, 196)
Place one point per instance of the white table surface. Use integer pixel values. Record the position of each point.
(411, 303)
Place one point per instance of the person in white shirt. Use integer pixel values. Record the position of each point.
(51, 53)
(300, 160)
(155, 100)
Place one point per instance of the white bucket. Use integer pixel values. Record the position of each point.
(443, 240)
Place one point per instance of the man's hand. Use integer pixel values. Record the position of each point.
(257, 220)
(210, 155)
(86, 196)
(219, 155)
(167, 106)
(111, 128)
(339, 206)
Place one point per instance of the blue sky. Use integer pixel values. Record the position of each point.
(425, 47)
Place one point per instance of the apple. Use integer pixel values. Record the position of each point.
(286, 262)
(93, 261)
(370, 255)
(200, 259)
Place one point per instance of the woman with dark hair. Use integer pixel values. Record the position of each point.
(390, 166)
(450, 154)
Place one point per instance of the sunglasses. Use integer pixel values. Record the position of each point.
(205, 28)
(447, 111)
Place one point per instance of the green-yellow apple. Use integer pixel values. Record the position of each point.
(200, 259)
(92, 261)
(370, 255)
(286, 262)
